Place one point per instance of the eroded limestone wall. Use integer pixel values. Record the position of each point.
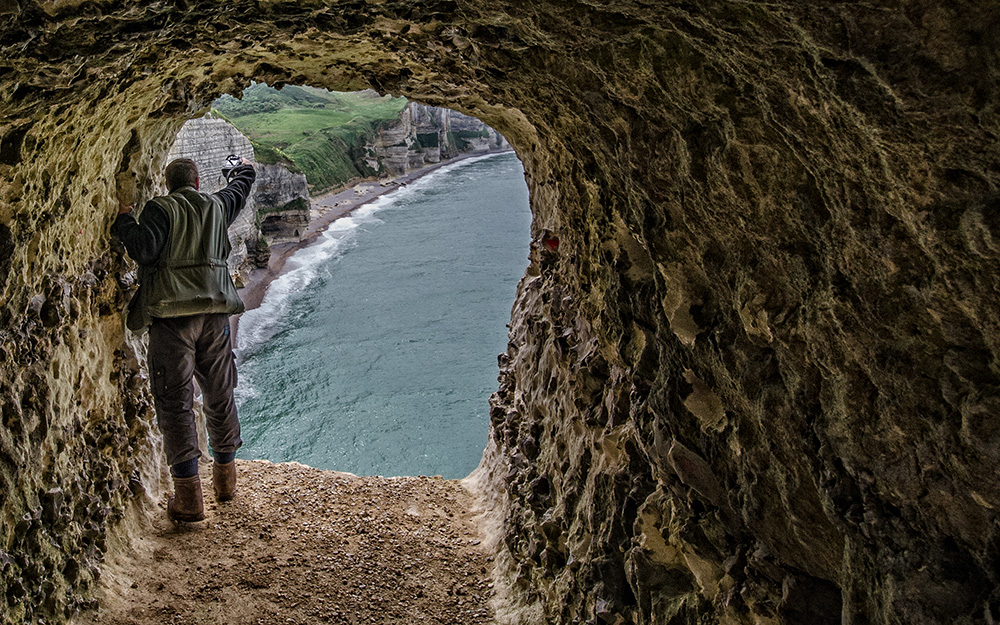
(424, 135)
(281, 198)
(752, 373)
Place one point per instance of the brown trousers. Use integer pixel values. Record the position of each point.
(198, 347)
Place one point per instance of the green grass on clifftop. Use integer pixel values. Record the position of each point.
(320, 133)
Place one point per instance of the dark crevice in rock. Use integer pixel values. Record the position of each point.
(10, 144)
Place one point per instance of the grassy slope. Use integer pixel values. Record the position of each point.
(317, 131)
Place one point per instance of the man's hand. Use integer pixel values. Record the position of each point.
(245, 161)
(125, 208)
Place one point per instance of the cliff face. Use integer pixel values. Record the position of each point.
(208, 141)
(752, 375)
(425, 135)
(282, 202)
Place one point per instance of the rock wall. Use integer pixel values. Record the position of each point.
(427, 134)
(752, 375)
(282, 203)
(468, 134)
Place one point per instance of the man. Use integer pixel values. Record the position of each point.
(185, 297)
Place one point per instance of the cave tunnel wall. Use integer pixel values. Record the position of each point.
(752, 373)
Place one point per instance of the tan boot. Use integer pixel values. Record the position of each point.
(224, 480)
(186, 504)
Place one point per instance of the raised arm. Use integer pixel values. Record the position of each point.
(234, 196)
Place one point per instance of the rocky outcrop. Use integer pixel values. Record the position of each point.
(463, 134)
(752, 375)
(424, 135)
(282, 203)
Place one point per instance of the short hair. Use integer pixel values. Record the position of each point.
(182, 172)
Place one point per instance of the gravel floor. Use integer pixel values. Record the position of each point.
(300, 545)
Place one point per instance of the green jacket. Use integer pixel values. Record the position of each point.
(192, 276)
(182, 246)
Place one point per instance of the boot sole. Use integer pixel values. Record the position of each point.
(180, 516)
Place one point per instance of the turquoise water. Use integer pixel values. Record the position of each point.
(375, 353)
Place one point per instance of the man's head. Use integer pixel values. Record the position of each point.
(181, 172)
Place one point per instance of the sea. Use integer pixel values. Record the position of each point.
(375, 352)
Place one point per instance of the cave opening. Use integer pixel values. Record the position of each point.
(407, 398)
(336, 171)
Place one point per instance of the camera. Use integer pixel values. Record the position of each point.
(232, 162)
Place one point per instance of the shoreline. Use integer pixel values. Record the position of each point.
(330, 206)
